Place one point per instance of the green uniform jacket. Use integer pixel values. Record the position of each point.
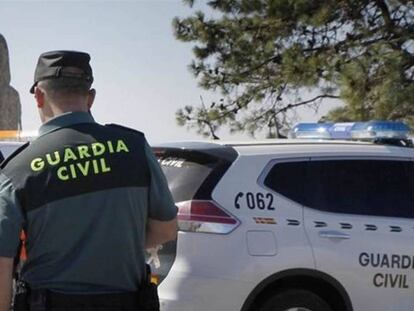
(83, 192)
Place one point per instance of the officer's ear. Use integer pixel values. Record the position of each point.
(91, 97)
(39, 95)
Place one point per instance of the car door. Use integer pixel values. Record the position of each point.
(359, 219)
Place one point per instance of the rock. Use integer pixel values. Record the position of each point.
(10, 108)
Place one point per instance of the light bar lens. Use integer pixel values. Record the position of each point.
(311, 130)
(380, 129)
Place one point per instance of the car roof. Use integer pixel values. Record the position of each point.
(300, 146)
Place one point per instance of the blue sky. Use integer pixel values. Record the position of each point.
(140, 69)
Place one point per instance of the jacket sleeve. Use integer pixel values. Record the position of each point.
(11, 218)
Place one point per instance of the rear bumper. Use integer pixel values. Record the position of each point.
(206, 274)
(185, 292)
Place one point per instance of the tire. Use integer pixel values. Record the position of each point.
(295, 300)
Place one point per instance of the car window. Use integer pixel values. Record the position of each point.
(288, 179)
(185, 175)
(365, 187)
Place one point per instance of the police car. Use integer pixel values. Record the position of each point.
(284, 225)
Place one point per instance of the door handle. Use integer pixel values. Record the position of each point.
(331, 234)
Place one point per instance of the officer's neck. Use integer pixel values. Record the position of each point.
(53, 110)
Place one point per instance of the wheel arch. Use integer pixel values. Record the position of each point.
(314, 280)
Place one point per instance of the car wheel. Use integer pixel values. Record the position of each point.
(295, 300)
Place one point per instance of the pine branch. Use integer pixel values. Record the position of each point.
(385, 12)
(306, 102)
(208, 122)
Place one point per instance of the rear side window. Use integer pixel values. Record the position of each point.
(288, 179)
(362, 187)
(185, 174)
(365, 187)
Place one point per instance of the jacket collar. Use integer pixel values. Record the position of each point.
(65, 120)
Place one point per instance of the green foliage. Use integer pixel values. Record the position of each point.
(260, 54)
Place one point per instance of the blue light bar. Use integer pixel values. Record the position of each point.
(371, 130)
(311, 130)
(380, 129)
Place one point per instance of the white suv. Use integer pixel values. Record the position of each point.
(289, 225)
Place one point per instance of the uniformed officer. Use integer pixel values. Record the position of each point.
(90, 198)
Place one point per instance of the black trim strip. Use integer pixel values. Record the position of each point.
(293, 222)
(346, 225)
(371, 227)
(320, 224)
(396, 229)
